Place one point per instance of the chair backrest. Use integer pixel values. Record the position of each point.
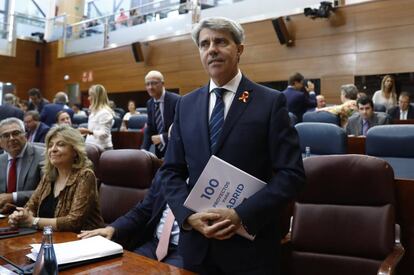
(126, 175)
(325, 117)
(322, 138)
(119, 111)
(380, 108)
(117, 124)
(142, 110)
(393, 143)
(137, 122)
(94, 153)
(293, 119)
(77, 119)
(344, 220)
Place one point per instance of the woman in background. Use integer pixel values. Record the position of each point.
(63, 118)
(67, 196)
(101, 119)
(132, 112)
(387, 96)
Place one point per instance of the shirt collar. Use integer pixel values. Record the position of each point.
(9, 157)
(161, 99)
(231, 86)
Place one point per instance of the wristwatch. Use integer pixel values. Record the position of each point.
(35, 223)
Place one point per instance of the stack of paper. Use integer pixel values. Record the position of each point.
(81, 250)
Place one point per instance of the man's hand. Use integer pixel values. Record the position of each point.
(227, 214)
(210, 225)
(156, 139)
(106, 232)
(5, 198)
(310, 87)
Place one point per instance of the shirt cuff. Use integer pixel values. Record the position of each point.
(162, 140)
(312, 93)
(14, 194)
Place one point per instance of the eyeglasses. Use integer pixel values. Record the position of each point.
(152, 83)
(13, 134)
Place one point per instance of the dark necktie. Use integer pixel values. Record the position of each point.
(217, 117)
(365, 127)
(12, 179)
(159, 123)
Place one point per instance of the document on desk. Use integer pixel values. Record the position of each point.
(81, 250)
(222, 185)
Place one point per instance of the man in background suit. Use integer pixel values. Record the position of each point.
(36, 130)
(162, 103)
(359, 124)
(37, 102)
(144, 224)
(49, 111)
(27, 160)
(8, 110)
(404, 110)
(299, 97)
(246, 125)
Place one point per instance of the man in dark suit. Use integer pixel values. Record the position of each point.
(49, 111)
(8, 110)
(161, 110)
(144, 224)
(37, 102)
(360, 123)
(299, 97)
(27, 161)
(246, 125)
(36, 130)
(404, 110)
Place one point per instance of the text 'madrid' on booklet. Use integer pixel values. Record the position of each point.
(222, 185)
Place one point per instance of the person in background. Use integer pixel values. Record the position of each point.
(7, 109)
(36, 101)
(101, 118)
(404, 110)
(348, 107)
(161, 110)
(112, 105)
(132, 111)
(63, 118)
(248, 126)
(299, 101)
(49, 112)
(24, 105)
(35, 129)
(76, 108)
(358, 125)
(122, 18)
(361, 94)
(387, 96)
(67, 196)
(320, 101)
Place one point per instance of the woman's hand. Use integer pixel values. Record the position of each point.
(22, 217)
(84, 131)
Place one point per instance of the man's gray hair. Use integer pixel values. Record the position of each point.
(9, 99)
(61, 97)
(219, 24)
(13, 120)
(349, 91)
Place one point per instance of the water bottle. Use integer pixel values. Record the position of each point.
(46, 263)
(307, 152)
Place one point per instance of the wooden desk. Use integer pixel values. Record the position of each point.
(127, 140)
(356, 145)
(407, 121)
(16, 248)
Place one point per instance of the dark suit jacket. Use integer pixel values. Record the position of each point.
(41, 133)
(7, 110)
(298, 101)
(395, 112)
(170, 100)
(258, 139)
(30, 173)
(354, 126)
(49, 112)
(43, 102)
(141, 221)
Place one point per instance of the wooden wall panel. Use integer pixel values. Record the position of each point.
(370, 38)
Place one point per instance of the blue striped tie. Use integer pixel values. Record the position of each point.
(159, 123)
(217, 117)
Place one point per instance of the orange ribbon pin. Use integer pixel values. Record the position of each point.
(244, 97)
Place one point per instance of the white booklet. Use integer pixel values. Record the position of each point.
(222, 185)
(81, 250)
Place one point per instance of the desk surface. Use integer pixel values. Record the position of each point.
(16, 248)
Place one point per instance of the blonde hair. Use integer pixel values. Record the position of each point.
(99, 98)
(393, 92)
(73, 138)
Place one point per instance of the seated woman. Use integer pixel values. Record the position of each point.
(348, 107)
(132, 112)
(63, 118)
(67, 196)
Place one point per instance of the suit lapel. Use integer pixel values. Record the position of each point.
(238, 106)
(202, 105)
(24, 168)
(3, 171)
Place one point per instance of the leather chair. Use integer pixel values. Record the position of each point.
(344, 220)
(322, 138)
(77, 120)
(393, 143)
(126, 175)
(324, 117)
(94, 153)
(142, 110)
(380, 108)
(117, 124)
(137, 122)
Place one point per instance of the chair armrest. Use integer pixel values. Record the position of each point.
(388, 265)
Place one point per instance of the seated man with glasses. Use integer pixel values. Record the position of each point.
(20, 165)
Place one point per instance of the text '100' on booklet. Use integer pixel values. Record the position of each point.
(222, 185)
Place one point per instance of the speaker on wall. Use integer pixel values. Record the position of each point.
(282, 31)
(138, 52)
